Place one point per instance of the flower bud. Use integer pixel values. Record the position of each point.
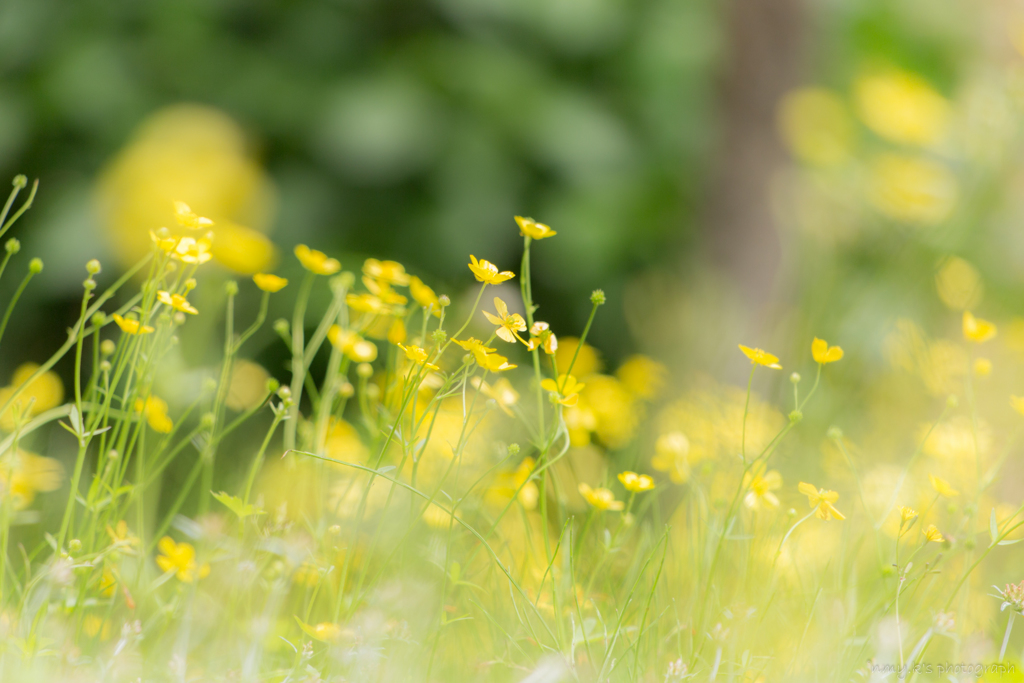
(439, 336)
(13, 246)
(443, 301)
(273, 385)
(346, 390)
(93, 266)
(207, 420)
(99, 319)
(364, 370)
(795, 416)
(597, 297)
(112, 454)
(834, 433)
(795, 378)
(281, 327)
(285, 392)
(190, 284)
(74, 545)
(89, 284)
(209, 385)
(513, 449)
(231, 287)
(35, 266)
(107, 347)
(20, 181)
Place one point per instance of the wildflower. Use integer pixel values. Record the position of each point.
(131, 325)
(188, 219)
(760, 485)
(352, 344)
(501, 392)
(121, 538)
(366, 303)
(600, 498)
(492, 362)
(519, 480)
(382, 290)
(316, 261)
(44, 392)
(94, 625)
(823, 353)
(542, 337)
(912, 190)
(822, 500)
(942, 487)
(933, 534)
(642, 376)
(532, 229)
(192, 250)
(391, 272)
(397, 332)
(108, 583)
(670, 455)
(567, 389)
(437, 517)
(176, 301)
(487, 272)
(1013, 596)
(180, 558)
(907, 515)
(155, 410)
(976, 329)
(636, 483)
(423, 295)
(269, 282)
(242, 249)
(902, 107)
(474, 346)
(326, 632)
(509, 325)
(588, 360)
(761, 357)
(419, 356)
(24, 474)
(982, 367)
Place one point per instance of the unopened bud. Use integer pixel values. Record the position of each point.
(74, 545)
(13, 246)
(20, 181)
(795, 378)
(513, 449)
(273, 385)
(364, 370)
(231, 287)
(35, 266)
(93, 266)
(834, 433)
(281, 327)
(346, 390)
(107, 347)
(99, 319)
(597, 297)
(89, 284)
(443, 301)
(285, 393)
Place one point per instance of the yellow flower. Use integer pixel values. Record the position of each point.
(902, 107)
(501, 392)
(382, 290)
(823, 353)
(933, 534)
(437, 517)
(671, 452)
(176, 301)
(391, 272)
(192, 250)
(367, 303)
(959, 284)
(588, 360)
(418, 355)
(269, 282)
(509, 325)
(912, 190)
(37, 396)
(567, 389)
(155, 410)
(242, 249)
(1018, 403)
(316, 261)
(601, 498)
(474, 346)
(534, 230)
(121, 538)
(424, 295)
(976, 329)
(822, 500)
(907, 514)
(759, 485)
(943, 487)
(509, 482)
(352, 345)
(636, 483)
(492, 362)
(642, 376)
(816, 127)
(180, 558)
(542, 337)
(326, 632)
(24, 474)
(982, 367)
(189, 219)
(487, 272)
(131, 325)
(760, 357)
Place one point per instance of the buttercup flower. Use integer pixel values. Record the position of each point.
(474, 346)
(419, 356)
(636, 483)
(822, 500)
(176, 301)
(759, 485)
(353, 345)
(509, 325)
(501, 392)
(942, 487)
(391, 272)
(567, 389)
(180, 558)
(823, 353)
(424, 295)
(192, 250)
(24, 474)
(155, 410)
(487, 272)
(534, 230)
(976, 329)
(642, 376)
(761, 357)
(43, 393)
(316, 261)
(601, 498)
(542, 337)
(492, 362)
(269, 282)
(131, 325)
(188, 219)
(671, 452)
(906, 515)
(933, 534)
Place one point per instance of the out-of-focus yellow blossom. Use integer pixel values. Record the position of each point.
(977, 330)
(508, 483)
(347, 494)
(316, 261)
(307, 574)
(492, 362)
(198, 155)
(616, 410)
(192, 250)
(1018, 403)
(24, 474)
(474, 346)
(437, 517)
(155, 410)
(354, 346)
(96, 626)
(580, 421)
(180, 558)
(419, 356)
(982, 367)
(955, 439)
(269, 282)
(906, 514)
(759, 485)
(566, 389)
(176, 301)
(501, 392)
(823, 353)
(816, 126)
(600, 498)
(636, 483)
(108, 584)
(366, 303)
(642, 376)
(248, 386)
(509, 325)
(121, 537)
(671, 454)
(912, 190)
(343, 442)
(326, 632)
(822, 501)
(542, 337)
(943, 487)
(397, 332)
(760, 357)
(940, 363)
(131, 325)
(37, 396)
(424, 295)
(588, 360)
(902, 107)
(383, 290)
(391, 272)
(933, 534)
(958, 284)
(532, 229)
(487, 272)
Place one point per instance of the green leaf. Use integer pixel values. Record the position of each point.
(235, 504)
